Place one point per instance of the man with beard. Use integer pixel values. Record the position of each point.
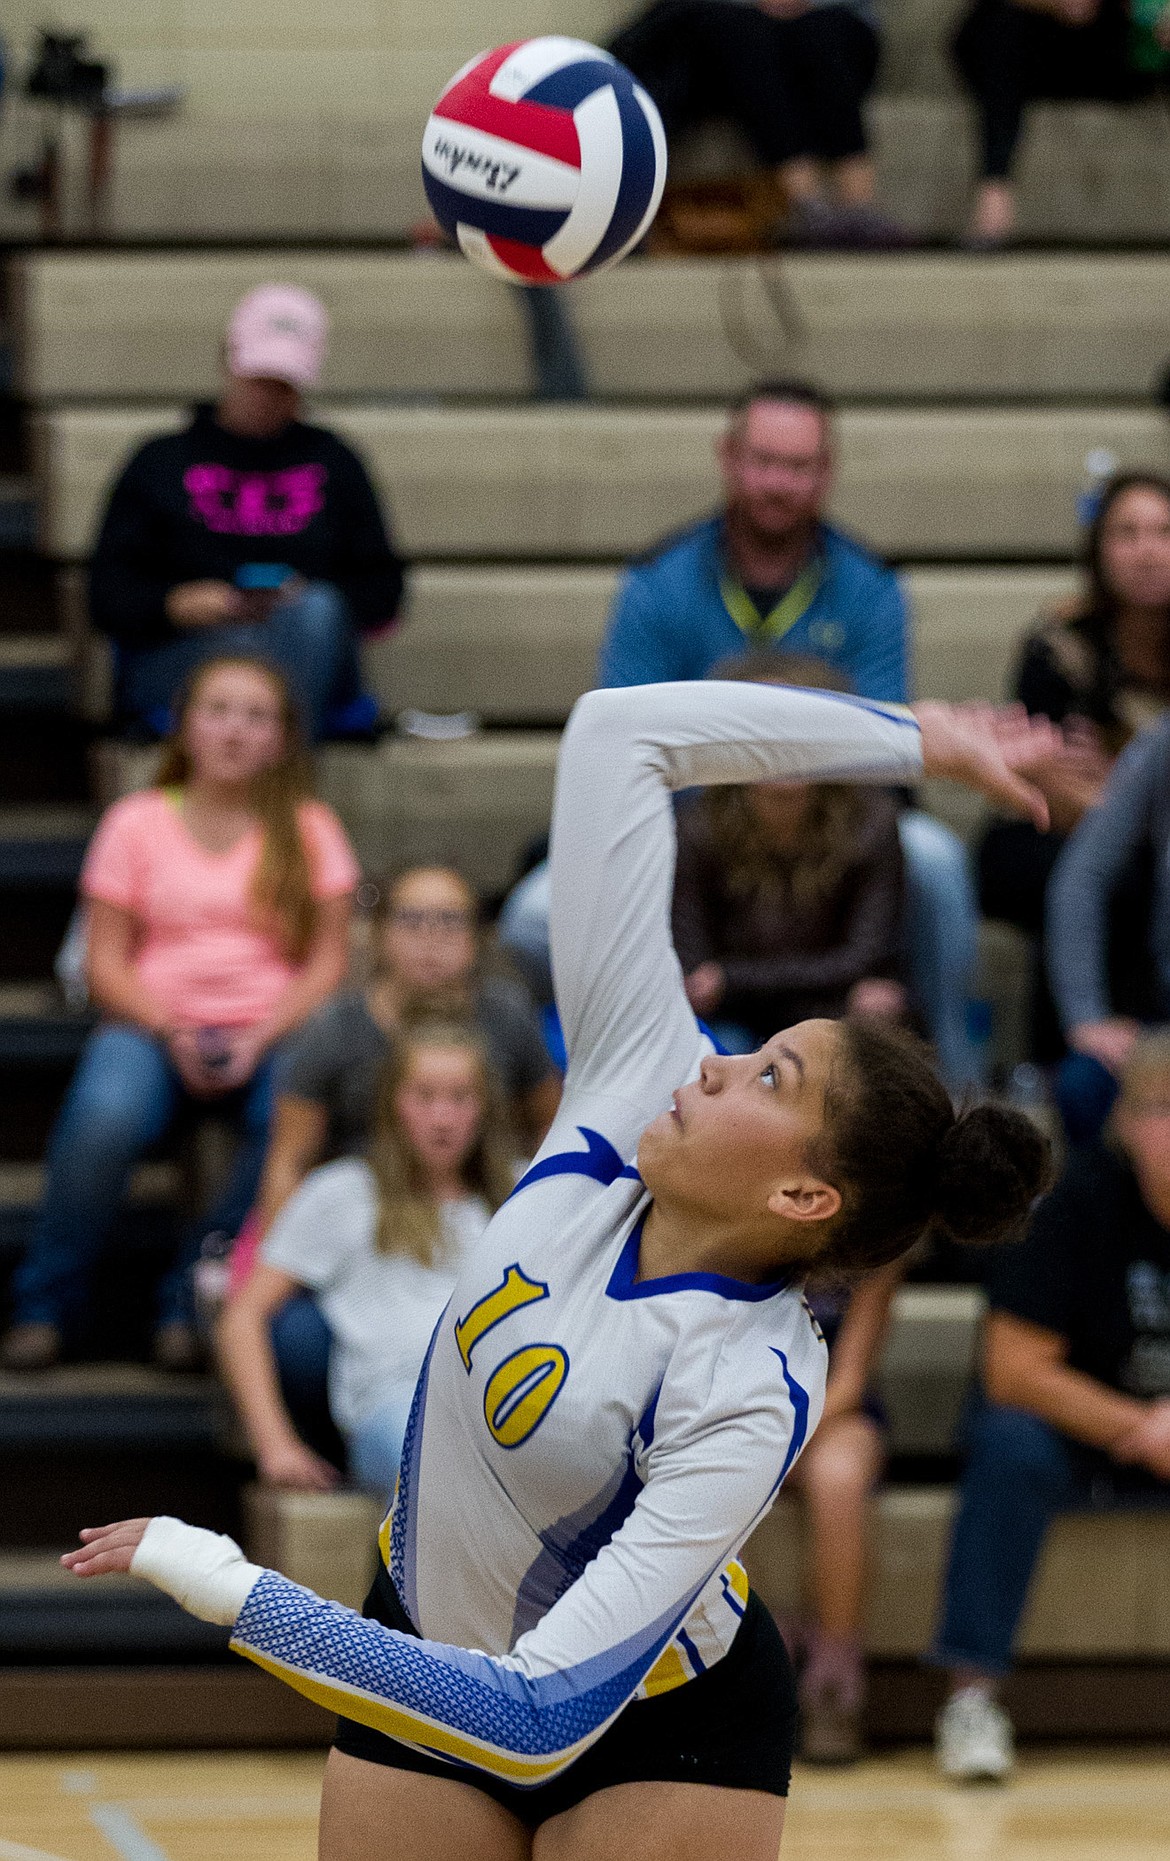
(766, 570)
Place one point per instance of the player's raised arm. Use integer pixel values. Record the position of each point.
(628, 1027)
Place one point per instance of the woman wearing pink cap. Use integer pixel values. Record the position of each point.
(250, 531)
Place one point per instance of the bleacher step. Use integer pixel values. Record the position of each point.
(48, 1615)
(597, 483)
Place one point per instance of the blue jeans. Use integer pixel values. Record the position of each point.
(1085, 1094)
(375, 1445)
(1020, 1472)
(123, 1097)
(309, 637)
(301, 1343)
(942, 931)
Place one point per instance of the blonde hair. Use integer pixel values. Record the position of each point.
(751, 864)
(282, 886)
(409, 1217)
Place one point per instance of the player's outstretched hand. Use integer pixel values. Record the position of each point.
(106, 1548)
(992, 750)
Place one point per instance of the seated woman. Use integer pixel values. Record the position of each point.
(1100, 668)
(380, 1241)
(219, 903)
(426, 955)
(835, 1481)
(788, 895)
(1012, 52)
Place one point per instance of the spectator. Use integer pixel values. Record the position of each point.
(1075, 1413)
(1010, 54)
(248, 532)
(380, 1242)
(219, 904)
(788, 896)
(426, 962)
(1099, 667)
(1131, 823)
(835, 1481)
(793, 75)
(768, 570)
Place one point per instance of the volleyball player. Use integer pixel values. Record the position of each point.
(560, 1656)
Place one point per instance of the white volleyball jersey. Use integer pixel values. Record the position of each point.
(588, 1449)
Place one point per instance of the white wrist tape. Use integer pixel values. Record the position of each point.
(205, 1572)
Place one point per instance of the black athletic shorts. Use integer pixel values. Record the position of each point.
(734, 1726)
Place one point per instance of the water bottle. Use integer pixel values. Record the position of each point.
(210, 1277)
(1099, 467)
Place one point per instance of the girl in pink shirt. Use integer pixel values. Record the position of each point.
(219, 905)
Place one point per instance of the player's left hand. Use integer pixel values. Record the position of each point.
(106, 1548)
(994, 750)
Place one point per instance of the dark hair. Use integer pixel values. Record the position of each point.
(790, 390)
(908, 1165)
(1096, 616)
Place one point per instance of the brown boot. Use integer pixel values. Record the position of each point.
(30, 1347)
(830, 1729)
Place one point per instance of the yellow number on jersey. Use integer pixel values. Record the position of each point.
(516, 1291)
(522, 1391)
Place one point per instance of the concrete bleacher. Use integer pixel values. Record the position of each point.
(127, 326)
(328, 1543)
(285, 133)
(596, 482)
(972, 393)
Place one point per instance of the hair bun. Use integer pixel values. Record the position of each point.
(992, 1164)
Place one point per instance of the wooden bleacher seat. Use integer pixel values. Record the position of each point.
(328, 1541)
(475, 803)
(599, 482)
(1072, 1612)
(128, 326)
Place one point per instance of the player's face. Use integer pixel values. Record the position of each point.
(439, 1106)
(738, 1140)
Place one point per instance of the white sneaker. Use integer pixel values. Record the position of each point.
(973, 1740)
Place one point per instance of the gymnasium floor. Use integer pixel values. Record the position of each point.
(1069, 1806)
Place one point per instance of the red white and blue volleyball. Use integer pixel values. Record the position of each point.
(543, 160)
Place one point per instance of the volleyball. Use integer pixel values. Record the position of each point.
(544, 159)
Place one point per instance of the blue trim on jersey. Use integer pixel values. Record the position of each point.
(571, 1544)
(404, 1530)
(692, 1653)
(893, 714)
(474, 1694)
(599, 1161)
(625, 1284)
(730, 1597)
(800, 1405)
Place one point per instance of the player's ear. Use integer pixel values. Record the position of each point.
(805, 1198)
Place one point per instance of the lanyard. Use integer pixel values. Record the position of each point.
(783, 617)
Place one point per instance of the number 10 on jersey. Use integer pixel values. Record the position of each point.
(522, 1389)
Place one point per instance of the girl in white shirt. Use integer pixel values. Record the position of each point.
(380, 1241)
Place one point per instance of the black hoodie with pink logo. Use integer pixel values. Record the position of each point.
(201, 504)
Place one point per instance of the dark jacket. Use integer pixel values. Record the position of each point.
(785, 961)
(199, 504)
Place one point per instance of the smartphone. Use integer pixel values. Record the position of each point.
(262, 577)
